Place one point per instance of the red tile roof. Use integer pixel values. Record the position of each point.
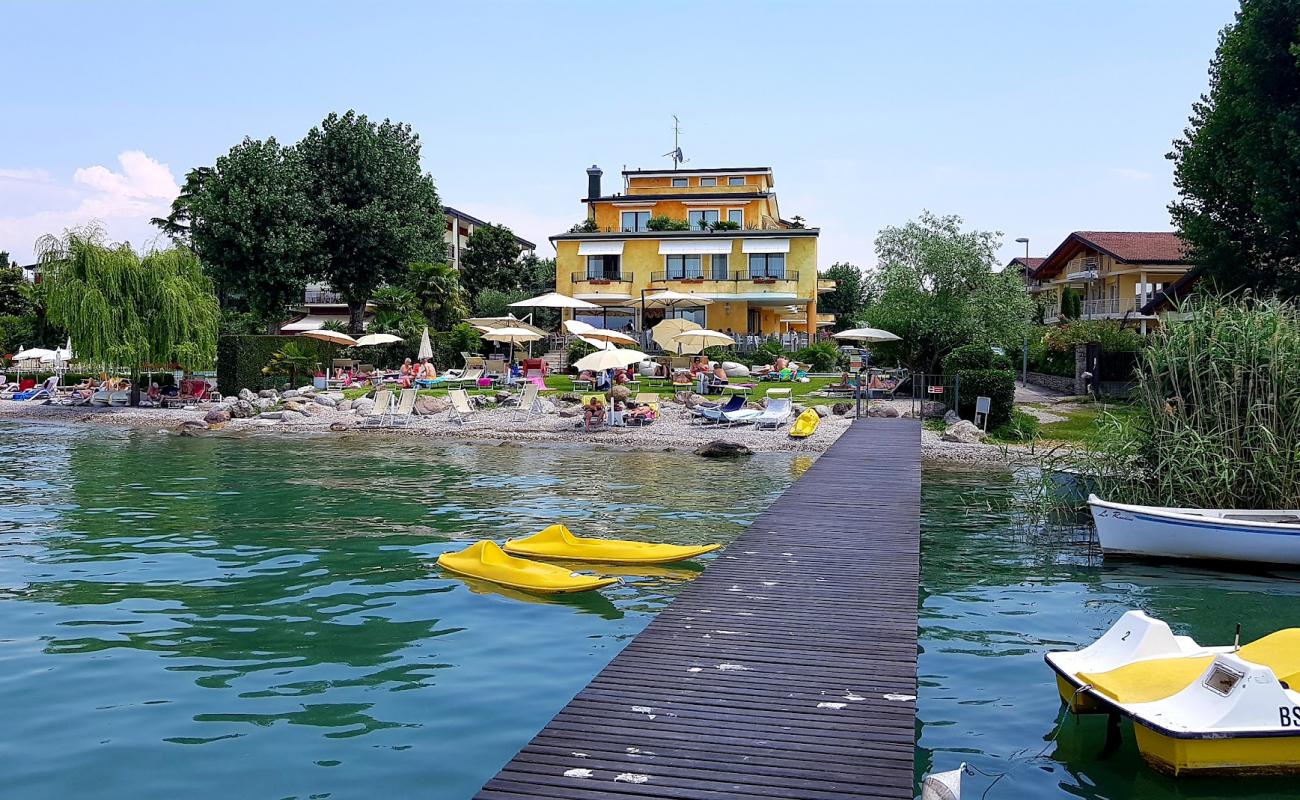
(1032, 263)
(1133, 247)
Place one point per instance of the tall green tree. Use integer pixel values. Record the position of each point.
(938, 287)
(14, 296)
(252, 226)
(490, 260)
(129, 311)
(178, 224)
(1237, 165)
(437, 292)
(376, 210)
(848, 299)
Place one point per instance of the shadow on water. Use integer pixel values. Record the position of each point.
(999, 592)
(177, 607)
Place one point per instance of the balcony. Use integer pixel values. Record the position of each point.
(790, 276)
(826, 284)
(323, 298)
(600, 280)
(1109, 307)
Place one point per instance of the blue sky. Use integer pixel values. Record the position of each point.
(1032, 117)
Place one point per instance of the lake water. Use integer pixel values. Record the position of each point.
(259, 617)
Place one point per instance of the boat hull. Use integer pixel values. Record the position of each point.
(1273, 755)
(1127, 531)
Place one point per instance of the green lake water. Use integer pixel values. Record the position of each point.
(258, 617)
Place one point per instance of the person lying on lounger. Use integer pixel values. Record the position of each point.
(593, 413)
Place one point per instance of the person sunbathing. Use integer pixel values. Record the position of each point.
(593, 413)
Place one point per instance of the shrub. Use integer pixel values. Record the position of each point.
(577, 349)
(1108, 333)
(821, 357)
(968, 356)
(662, 223)
(586, 226)
(1071, 303)
(726, 225)
(240, 359)
(448, 345)
(999, 385)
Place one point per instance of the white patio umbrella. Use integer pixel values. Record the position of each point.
(867, 335)
(554, 300)
(513, 336)
(602, 335)
(372, 339)
(577, 326)
(610, 359)
(670, 300)
(426, 347)
(664, 332)
(696, 340)
(35, 354)
(333, 337)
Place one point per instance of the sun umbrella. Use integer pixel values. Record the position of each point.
(602, 335)
(613, 358)
(669, 299)
(490, 323)
(426, 347)
(553, 300)
(333, 337)
(867, 335)
(513, 336)
(372, 339)
(35, 353)
(577, 326)
(664, 332)
(696, 340)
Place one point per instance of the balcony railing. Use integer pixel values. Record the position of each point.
(1109, 306)
(322, 298)
(582, 277)
(734, 277)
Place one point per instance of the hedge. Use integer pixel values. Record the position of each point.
(999, 385)
(968, 356)
(240, 360)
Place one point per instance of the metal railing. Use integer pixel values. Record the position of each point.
(314, 297)
(734, 277)
(1109, 305)
(583, 277)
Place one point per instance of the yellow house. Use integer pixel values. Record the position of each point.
(715, 233)
(1114, 273)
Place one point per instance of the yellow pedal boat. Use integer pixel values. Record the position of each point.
(557, 542)
(1207, 710)
(805, 424)
(488, 561)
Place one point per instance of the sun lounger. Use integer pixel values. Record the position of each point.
(717, 414)
(461, 410)
(528, 405)
(469, 377)
(382, 408)
(778, 412)
(496, 368)
(405, 406)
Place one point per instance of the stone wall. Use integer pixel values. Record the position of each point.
(1054, 382)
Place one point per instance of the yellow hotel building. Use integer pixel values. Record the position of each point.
(758, 270)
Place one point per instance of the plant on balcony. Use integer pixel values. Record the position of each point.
(662, 223)
(726, 225)
(586, 226)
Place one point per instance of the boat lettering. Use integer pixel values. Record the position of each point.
(1289, 716)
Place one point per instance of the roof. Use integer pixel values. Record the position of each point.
(1166, 297)
(1029, 263)
(1129, 247)
(779, 233)
(721, 197)
(473, 220)
(645, 173)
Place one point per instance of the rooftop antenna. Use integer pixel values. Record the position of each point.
(676, 153)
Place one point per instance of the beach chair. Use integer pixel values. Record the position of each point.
(405, 406)
(495, 368)
(717, 413)
(469, 376)
(528, 405)
(778, 412)
(383, 407)
(475, 362)
(461, 410)
(580, 385)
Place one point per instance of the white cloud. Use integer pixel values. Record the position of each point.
(123, 202)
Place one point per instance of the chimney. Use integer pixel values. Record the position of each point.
(593, 182)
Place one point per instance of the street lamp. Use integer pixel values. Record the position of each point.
(1024, 352)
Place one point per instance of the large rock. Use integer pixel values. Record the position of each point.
(504, 399)
(890, 411)
(822, 411)
(690, 399)
(242, 409)
(621, 394)
(722, 449)
(217, 416)
(840, 409)
(363, 405)
(339, 427)
(264, 404)
(275, 415)
(964, 432)
(344, 405)
(290, 393)
(428, 406)
(191, 427)
(570, 411)
(951, 418)
(267, 393)
(295, 406)
(545, 406)
(480, 400)
(327, 400)
(247, 394)
(932, 408)
(308, 389)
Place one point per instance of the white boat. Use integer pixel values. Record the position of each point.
(1194, 709)
(1208, 533)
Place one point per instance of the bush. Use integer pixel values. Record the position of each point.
(1021, 427)
(577, 349)
(662, 223)
(968, 356)
(240, 360)
(821, 357)
(726, 225)
(999, 385)
(1071, 303)
(448, 345)
(1108, 333)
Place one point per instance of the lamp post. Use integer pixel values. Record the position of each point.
(1024, 352)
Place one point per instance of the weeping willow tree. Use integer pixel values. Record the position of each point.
(126, 311)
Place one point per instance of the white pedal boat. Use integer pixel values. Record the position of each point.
(1195, 709)
(1206, 533)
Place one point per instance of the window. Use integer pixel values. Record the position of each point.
(695, 314)
(696, 217)
(613, 319)
(736, 180)
(736, 215)
(767, 265)
(708, 181)
(718, 266)
(679, 183)
(633, 221)
(679, 267)
(603, 268)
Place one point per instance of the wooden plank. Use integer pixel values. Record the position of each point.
(786, 669)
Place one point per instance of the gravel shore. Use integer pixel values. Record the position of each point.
(673, 429)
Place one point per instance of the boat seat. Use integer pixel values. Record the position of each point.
(1148, 681)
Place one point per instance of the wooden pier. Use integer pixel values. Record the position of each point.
(786, 670)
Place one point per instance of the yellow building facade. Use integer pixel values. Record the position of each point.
(754, 272)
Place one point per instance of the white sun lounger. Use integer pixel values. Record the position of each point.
(528, 405)
(405, 405)
(778, 411)
(383, 407)
(461, 410)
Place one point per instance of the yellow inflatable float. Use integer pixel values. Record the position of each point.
(488, 561)
(805, 424)
(557, 542)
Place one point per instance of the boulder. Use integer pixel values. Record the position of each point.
(264, 404)
(504, 398)
(339, 427)
(797, 409)
(621, 394)
(840, 409)
(344, 405)
(722, 449)
(308, 389)
(267, 393)
(363, 405)
(275, 415)
(569, 397)
(428, 406)
(217, 416)
(690, 399)
(247, 394)
(242, 409)
(191, 427)
(545, 406)
(288, 393)
(230, 399)
(932, 408)
(292, 405)
(480, 400)
(326, 400)
(735, 369)
(570, 411)
(822, 411)
(951, 418)
(890, 411)
(964, 432)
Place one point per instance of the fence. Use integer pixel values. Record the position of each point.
(942, 392)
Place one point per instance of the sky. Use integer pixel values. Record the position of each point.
(1026, 117)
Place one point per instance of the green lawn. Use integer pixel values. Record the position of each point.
(1081, 422)
(561, 384)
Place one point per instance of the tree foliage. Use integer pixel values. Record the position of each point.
(251, 224)
(490, 260)
(496, 303)
(14, 296)
(1237, 164)
(179, 223)
(438, 295)
(377, 211)
(848, 299)
(125, 310)
(937, 287)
